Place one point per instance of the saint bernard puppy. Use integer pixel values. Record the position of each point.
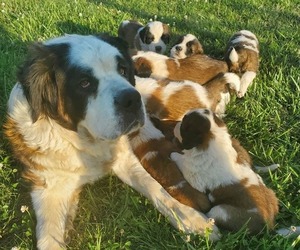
(196, 68)
(152, 37)
(69, 116)
(211, 164)
(242, 57)
(186, 46)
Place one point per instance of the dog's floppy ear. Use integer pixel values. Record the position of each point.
(37, 76)
(143, 33)
(219, 121)
(142, 67)
(195, 131)
(166, 34)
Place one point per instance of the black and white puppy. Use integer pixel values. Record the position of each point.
(152, 37)
(186, 46)
(211, 164)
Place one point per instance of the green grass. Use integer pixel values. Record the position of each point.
(267, 121)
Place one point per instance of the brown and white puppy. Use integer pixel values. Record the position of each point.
(242, 57)
(210, 163)
(69, 115)
(186, 46)
(152, 37)
(197, 68)
(170, 100)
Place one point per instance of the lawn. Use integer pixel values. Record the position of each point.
(267, 121)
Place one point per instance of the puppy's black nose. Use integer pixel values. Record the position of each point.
(158, 49)
(129, 100)
(178, 48)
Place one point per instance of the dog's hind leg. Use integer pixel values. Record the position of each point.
(235, 218)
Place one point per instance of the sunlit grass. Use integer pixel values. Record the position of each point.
(267, 121)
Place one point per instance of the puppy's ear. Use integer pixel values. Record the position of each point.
(143, 33)
(195, 131)
(37, 76)
(166, 34)
(142, 67)
(219, 121)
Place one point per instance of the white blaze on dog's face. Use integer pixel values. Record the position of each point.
(154, 37)
(186, 46)
(84, 83)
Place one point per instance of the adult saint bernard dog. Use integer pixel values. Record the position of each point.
(68, 119)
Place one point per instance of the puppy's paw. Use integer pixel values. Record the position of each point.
(234, 81)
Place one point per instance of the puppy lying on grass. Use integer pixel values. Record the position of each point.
(211, 164)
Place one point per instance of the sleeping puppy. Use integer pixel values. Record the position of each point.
(210, 164)
(242, 57)
(186, 46)
(153, 37)
(197, 68)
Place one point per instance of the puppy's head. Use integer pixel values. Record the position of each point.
(154, 37)
(186, 46)
(195, 130)
(83, 82)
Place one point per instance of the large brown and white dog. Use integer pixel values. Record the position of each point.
(68, 120)
(242, 56)
(185, 46)
(196, 68)
(211, 164)
(152, 37)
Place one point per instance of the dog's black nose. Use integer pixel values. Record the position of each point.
(129, 100)
(158, 49)
(178, 48)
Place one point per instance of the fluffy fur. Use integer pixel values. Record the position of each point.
(152, 37)
(242, 57)
(210, 163)
(170, 100)
(68, 120)
(197, 68)
(186, 46)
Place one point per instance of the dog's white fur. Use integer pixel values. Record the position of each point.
(65, 159)
(210, 175)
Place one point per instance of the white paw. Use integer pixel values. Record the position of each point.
(189, 221)
(234, 81)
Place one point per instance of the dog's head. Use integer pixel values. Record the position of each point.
(195, 129)
(83, 82)
(186, 46)
(154, 37)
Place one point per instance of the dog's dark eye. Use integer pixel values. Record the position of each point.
(85, 84)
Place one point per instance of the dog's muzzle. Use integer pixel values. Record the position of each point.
(129, 105)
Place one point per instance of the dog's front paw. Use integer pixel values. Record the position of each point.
(190, 221)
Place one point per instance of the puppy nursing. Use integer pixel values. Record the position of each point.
(242, 56)
(211, 164)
